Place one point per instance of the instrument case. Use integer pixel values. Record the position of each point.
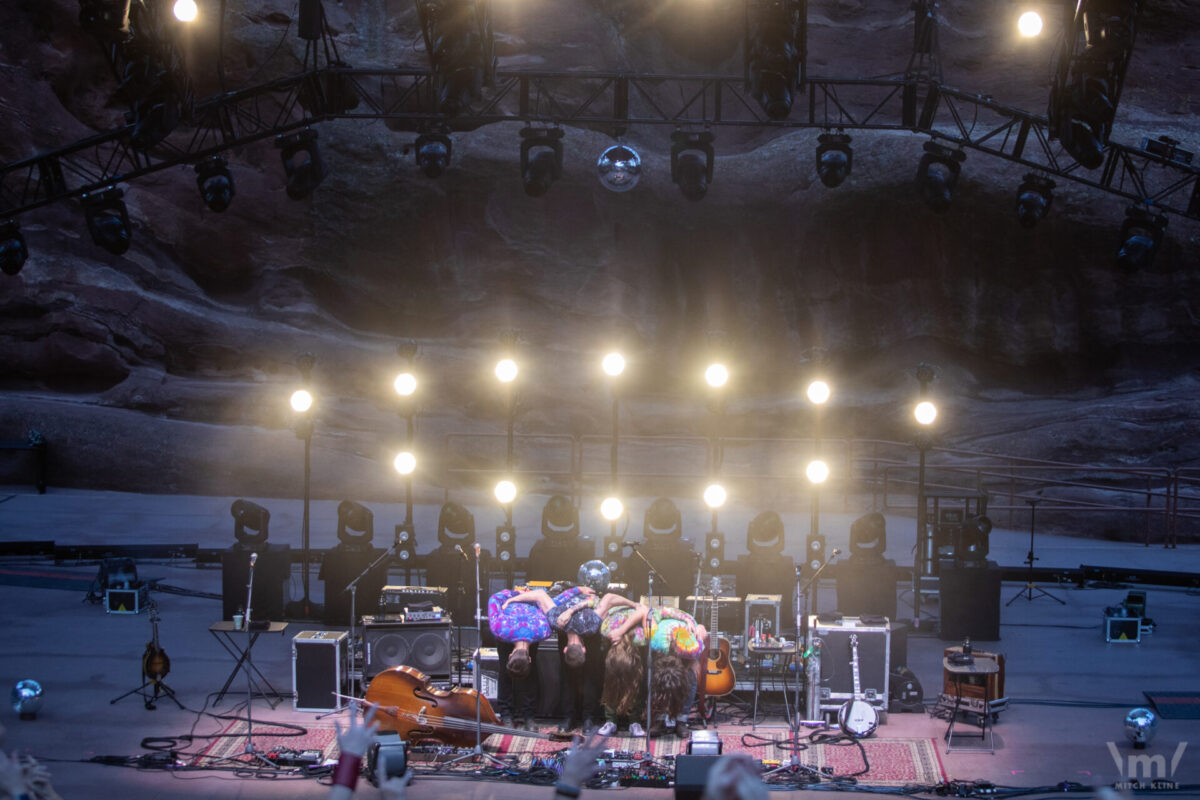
(837, 676)
(319, 662)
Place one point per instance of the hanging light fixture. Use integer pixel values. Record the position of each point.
(692, 162)
(541, 159)
(108, 219)
(834, 158)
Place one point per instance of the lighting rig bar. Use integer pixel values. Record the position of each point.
(406, 99)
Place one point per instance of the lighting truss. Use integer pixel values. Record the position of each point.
(406, 99)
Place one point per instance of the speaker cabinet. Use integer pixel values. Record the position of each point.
(423, 646)
(271, 572)
(867, 585)
(970, 601)
(550, 678)
(342, 565)
(691, 774)
(318, 670)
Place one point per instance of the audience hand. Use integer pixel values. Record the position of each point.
(581, 763)
(357, 737)
(12, 777)
(392, 788)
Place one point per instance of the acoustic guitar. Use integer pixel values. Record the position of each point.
(719, 679)
(410, 706)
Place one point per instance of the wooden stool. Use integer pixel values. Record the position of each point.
(984, 664)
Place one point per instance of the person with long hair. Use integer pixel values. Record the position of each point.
(624, 682)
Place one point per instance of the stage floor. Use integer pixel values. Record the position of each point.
(1068, 689)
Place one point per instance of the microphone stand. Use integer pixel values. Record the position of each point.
(248, 667)
(801, 634)
(478, 753)
(352, 587)
(649, 648)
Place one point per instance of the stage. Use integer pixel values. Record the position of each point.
(1069, 690)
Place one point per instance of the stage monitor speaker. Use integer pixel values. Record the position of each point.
(422, 646)
(318, 670)
(867, 585)
(550, 678)
(271, 572)
(970, 601)
(691, 775)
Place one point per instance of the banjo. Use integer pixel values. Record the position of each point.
(857, 718)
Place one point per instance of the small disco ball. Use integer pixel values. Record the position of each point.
(1140, 725)
(595, 573)
(619, 168)
(27, 698)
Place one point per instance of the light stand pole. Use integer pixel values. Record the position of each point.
(818, 393)
(1031, 590)
(925, 413)
(302, 403)
(611, 508)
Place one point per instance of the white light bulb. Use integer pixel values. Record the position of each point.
(1030, 23)
(506, 370)
(405, 462)
(714, 495)
(185, 10)
(818, 392)
(716, 375)
(613, 364)
(405, 384)
(817, 471)
(506, 492)
(302, 400)
(612, 508)
(925, 412)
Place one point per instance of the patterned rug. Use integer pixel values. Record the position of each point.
(269, 739)
(893, 762)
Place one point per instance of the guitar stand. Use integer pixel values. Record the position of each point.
(160, 690)
(1032, 591)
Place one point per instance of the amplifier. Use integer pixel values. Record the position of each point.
(422, 645)
(319, 670)
(660, 600)
(837, 676)
(394, 599)
(489, 668)
(729, 611)
(434, 614)
(126, 601)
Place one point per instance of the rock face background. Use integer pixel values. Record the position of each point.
(167, 369)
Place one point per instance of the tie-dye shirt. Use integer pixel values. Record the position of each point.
(520, 622)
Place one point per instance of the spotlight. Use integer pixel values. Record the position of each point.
(1140, 726)
(355, 524)
(612, 551)
(937, 174)
(1034, 197)
(772, 53)
(106, 19)
(692, 163)
(13, 251)
(714, 550)
(815, 546)
(108, 220)
(406, 543)
(817, 471)
(185, 10)
(818, 392)
(405, 384)
(215, 182)
(868, 536)
(506, 542)
(612, 509)
(714, 495)
(252, 517)
(541, 159)
(613, 364)
(302, 401)
(1030, 23)
(971, 542)
(301, 163)
(506, 370)
(433, 153)
(619, 168)
(925, 412)
(834, 158)
(1141, 235)
(506, 492)
(765, 534)
(716, 375)
(405, 462)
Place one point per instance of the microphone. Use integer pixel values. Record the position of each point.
(460, 551)
(477, 551)
(835, 552)
(253, 558)
(630, 544)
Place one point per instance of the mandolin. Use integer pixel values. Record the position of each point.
(410, 706)
(719, 679)
(155, 664)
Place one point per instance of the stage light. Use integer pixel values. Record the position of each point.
(692, 163)
(714, 550)
(301, 162)
(1140, 727)
(716, 375)
(612, 509)
(248, 516)
(506, 370)
(817, 471)
(619, 168)
(1034, 197)
(1030, 23)
(506, 492)
(215, 182)
(868, 536)
(772, 53)
(185, 10)
(714, 495)
(971, 542)
(108, 220)
(433, 153)
(937, 175)
(506, 542)
(13, 251)
(405, 462)
(541, 159)
(818, 392)
(765, 534)
(405, 384)
(302, 400)
(613, 364)
(27, 698)
(925, 412)
(834, 158)
(1141, 235)
(106, 19)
